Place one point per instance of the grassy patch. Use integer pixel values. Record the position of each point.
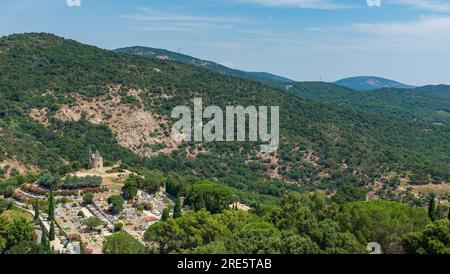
(16, 213)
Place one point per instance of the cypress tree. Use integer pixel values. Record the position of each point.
(165, 215)
(51, 206)
(44, 241)
(82, 247)
(51, 234)
(177, 208)
(36, 211)
(201, 202)
(432, 211)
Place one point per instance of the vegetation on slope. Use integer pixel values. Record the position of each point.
(370, 83)
(323, 146)
(428, 103)
(337, 149)
(264, 77)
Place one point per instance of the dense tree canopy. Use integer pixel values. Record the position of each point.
(116, 203)
(255, 238)
(122, 243)
(434, 239)
(383, 222)
(300, 226)
(211, 196)
(16, 235)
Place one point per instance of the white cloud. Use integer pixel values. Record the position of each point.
(426, 29)
(306, 4)
(158, 28)
(432, 5)
(425, 34)
(151, 20)
(148, 14)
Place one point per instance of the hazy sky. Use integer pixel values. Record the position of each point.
(405, 40)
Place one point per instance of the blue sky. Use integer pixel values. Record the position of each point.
(405, 40)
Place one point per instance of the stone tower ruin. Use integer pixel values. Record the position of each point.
(96, 160)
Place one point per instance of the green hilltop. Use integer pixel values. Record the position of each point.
(370, 83)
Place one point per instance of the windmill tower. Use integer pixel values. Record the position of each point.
(96, 160)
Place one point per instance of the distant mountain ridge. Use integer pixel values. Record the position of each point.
(368, 93)
(427, 103)
(365, 83)
(359, 83)
(163, 54)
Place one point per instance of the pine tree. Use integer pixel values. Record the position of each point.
(36, 211)
(177, 208)
(51, 234)
(432, 211)
(51, 206)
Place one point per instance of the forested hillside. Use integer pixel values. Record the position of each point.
(323, 146)
(428, 103)
(60, 99)
(264, 77)
(364, 83)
